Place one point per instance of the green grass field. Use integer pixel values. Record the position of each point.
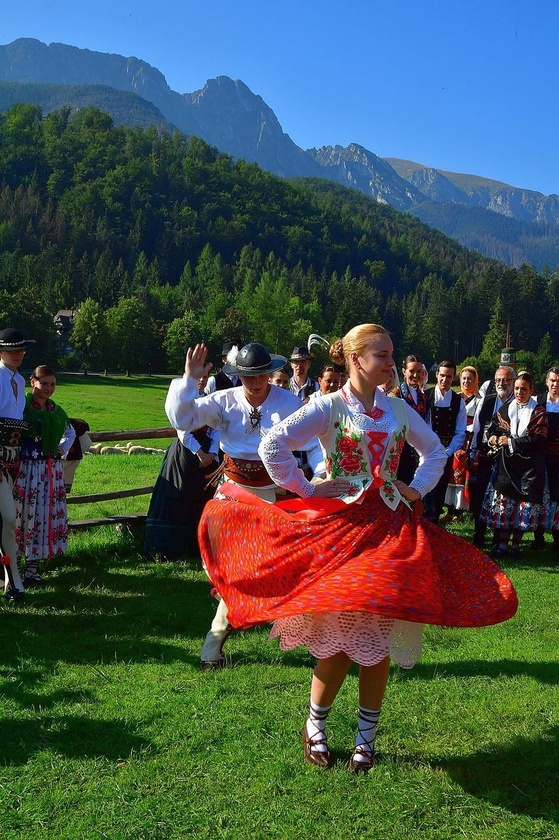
(110, 730)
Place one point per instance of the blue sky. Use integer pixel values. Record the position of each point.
(463, 86)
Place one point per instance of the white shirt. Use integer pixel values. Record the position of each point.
(10, 405)
(190, 442)
(313, 420)
(443, 401)
(230, 412)
(67, 440)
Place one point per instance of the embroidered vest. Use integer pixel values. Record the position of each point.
(355, 453)
(443, 420)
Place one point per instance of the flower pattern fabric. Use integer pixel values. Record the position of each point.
(41, 513)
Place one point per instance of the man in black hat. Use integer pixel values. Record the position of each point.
(222, 380)
(12, 404)
(243, 416)
(301, 384)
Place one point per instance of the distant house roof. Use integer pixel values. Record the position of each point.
(64, 320)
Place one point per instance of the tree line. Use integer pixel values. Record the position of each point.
(159, 240)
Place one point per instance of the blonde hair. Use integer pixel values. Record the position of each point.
(355, 341)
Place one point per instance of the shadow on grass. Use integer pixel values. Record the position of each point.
(544, 672)
(70, 736)
(521, 778)
(132, 611)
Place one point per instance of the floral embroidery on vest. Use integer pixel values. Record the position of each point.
(347, 459)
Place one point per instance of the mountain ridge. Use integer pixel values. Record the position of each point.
(228, 115)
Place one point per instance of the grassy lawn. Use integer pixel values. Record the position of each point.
(114, 402)
(110, 730)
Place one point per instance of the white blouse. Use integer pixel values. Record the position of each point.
(230, 412)
(313, 419)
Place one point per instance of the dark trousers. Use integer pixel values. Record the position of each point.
(478, 488)
(434, 500)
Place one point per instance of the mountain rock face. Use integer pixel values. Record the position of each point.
(28, 60)
(473, 191)
(226, 114)
(240, 123)
(430, 182)
(355, 166)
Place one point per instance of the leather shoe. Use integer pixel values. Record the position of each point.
(320, 758)
(364, 764)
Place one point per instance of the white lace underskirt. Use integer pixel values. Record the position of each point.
(366, 638)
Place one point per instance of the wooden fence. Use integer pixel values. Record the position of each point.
(128, 519)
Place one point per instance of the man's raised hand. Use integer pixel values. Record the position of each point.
(195, 363)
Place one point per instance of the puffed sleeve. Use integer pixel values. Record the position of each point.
(293, 433)
(186, 412)
(67, 439)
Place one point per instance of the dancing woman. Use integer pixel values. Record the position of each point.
(353, 578)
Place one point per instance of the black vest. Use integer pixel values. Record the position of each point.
(443, 420)
(222, 381)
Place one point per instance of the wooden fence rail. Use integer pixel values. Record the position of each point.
(135, 434)
(128, 519)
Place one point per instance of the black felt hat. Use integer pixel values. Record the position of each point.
(11, 339)
(254, 360)
(301, 354)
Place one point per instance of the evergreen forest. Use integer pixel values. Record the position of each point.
(157, 241)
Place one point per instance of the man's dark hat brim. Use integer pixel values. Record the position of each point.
(12, 339)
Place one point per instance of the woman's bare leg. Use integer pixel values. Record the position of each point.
(328, 677)
(372, 683)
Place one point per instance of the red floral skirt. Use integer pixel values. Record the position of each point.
(310, 556)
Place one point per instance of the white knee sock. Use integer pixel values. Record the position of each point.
(316, 725)
(366, 732)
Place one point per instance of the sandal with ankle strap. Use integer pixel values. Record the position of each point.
(319, 758)
(364, 764)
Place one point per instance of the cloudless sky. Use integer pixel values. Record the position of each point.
(462, 85)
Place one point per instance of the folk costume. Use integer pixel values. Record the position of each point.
(550, 519)
(82, 444)
(310, 386)
(458, 492)
(360, 574)
(241, 427)
(221, 380)
(12, 426)
(180, 493)
(415, 398)
(448, 420)
(481, 462)
(514, 497)
(41, 512)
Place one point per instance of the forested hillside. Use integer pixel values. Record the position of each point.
(160, 240)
